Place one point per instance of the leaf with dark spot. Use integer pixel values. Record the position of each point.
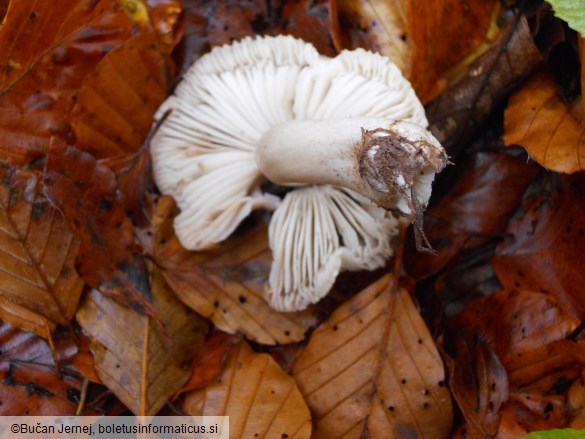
(109, 259)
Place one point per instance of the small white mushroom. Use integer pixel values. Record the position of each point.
(349, 129)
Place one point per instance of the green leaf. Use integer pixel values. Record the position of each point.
(572, 11)
(568, 433)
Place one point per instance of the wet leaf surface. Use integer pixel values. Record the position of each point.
(372, 370)
(260, 398)
(141, 364)
(33, 105)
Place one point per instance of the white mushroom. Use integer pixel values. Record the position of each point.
(350, 129)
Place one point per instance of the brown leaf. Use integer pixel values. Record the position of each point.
(86, 192)
(165, 18)
(117, 101)
(462, 26)
(209, 362)
(465, 217)
(48, 49)
(379, 26)
(209, 24)
(30, 384)
(226, 285)
(141, 365)
(260, 399)
(372, 370)
(38, 252)
(480, 386)
(539, 120)
(543, 246)
(466, 103)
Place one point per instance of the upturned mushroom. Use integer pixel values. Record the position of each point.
(344, 132)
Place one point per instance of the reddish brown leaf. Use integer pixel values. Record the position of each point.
(543, 247)
(480, 386)
(165, 19)
(466, 217)
(30, 384)
(48, 49)
(466, 103)
(539, 120)
(116, 103)
(209, 24)
(86, 192)
(259, 397)
(209, 362)
(226, 285)
(372, 371)
(37, 257)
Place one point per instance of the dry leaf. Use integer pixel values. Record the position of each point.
(29, 383)
(260, 399)
(209, 362)
(373, 371)
(109, 259)
(226, 285)
(117, 101)
(468, 101)
(480, 386)
(165, 18)
(38, 253)
(406, 32)
(539, 120)
(543, 245)
(141, 365)
(380, 26)
(48, 49)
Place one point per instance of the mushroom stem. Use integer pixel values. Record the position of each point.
(386, 161)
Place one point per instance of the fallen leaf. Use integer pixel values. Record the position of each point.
(141, 365)
(465, 217)
(571, 11)
(372, 370)
(463, 25)
(37, 258)
(379, 26)
(466, 103)
(479, 384)
(209, 24)
(209, 362)
(226, 285)
(29, 382)
(543, 245)
(116, 103)
(109, 259)
(43, 65)
(165, 17)
(539, 120)
(259, 397)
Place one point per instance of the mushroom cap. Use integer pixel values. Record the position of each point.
(204, 152)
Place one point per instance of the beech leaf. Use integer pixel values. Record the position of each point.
(117, 101)
(539, 120)
(29, 382)
(37, 258)
(109, 259)
(258, 396)
(141, 365)
(226, 285)
(43, 41)
(372, 371)
(571, 11)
